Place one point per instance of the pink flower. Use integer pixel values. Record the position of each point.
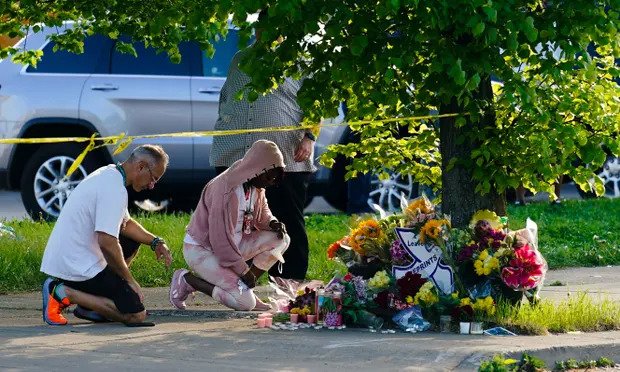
(525, 270)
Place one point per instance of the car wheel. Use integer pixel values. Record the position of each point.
(611, 177)
(386, 193)
(44, 188)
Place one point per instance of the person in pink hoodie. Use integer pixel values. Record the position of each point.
(232, 225)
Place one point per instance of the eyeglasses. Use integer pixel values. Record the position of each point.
(153, 179)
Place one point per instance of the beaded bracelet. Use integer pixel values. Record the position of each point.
(155, 242)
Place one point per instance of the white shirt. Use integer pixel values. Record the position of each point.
(98, 203)
(244, 205)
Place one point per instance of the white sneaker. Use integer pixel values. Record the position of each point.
(179, 289)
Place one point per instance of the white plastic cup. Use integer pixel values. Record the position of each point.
(464, 327)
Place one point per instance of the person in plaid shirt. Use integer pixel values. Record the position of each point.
(277, 108)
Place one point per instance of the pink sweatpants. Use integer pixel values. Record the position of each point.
(257, 246)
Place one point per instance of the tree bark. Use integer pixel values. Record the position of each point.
(459, 198)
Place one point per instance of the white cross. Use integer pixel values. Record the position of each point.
(426, 261)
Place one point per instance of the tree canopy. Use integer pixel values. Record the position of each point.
(557, 111)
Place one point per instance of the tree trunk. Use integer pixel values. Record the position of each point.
(459, 198)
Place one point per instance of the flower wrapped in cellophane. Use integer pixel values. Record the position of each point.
(395, 264)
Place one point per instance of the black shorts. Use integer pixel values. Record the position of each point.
(109, 285)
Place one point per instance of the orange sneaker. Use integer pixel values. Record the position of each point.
(52, 308)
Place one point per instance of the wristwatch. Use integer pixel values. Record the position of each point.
(310, 136)
(156, 241)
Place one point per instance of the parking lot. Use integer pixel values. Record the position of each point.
(11, 206)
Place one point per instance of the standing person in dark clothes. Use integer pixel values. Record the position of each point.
(277, 108)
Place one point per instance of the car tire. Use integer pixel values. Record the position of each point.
(610, 175)
(43, 187)
(387, 193)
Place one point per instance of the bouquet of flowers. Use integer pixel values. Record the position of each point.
(498, 262)
(372, 245)
(484, 263)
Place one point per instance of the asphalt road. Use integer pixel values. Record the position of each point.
(11, 206)
(208, 337)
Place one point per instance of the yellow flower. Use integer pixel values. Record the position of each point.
(432, 230)
(409, 299)
(489, 216)
(379, 281)
(484, 306)
(371, 228)
(426, 295)
(420, 205)
(485, 263)
(465, 301)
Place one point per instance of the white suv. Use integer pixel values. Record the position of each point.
(107, 92)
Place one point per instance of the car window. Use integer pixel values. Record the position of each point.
(62, 61)
(225, 49)
(149, 62)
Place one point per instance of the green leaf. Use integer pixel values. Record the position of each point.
(478, 29)
(530, 31)
(473, 82)
(491, 13)
(252, 95)
(457, 73)
(395, 5)
(358, 45)
(511, 42)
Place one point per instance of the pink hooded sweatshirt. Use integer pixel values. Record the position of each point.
(213, 222)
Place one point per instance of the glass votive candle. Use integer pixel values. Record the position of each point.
(260, 322)
(268, 322)
(445, 323)
(311, 318)
(294, 318)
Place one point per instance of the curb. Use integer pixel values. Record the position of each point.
(550, 355)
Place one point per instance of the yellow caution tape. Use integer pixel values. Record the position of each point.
(125, 140)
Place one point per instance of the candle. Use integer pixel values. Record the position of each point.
(260, 322)
(294, 318)
(268, 322)
(311, 318)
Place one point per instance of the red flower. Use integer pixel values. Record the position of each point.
(333, 249)
(409, 285)
(525, 270)
(348, 277)
(383, 299)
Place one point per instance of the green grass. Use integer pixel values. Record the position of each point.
(576, 233)
(577, 313)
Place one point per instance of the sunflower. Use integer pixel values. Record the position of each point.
(371, 228)
(432, 230)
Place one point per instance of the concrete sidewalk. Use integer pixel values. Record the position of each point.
(208, 336)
